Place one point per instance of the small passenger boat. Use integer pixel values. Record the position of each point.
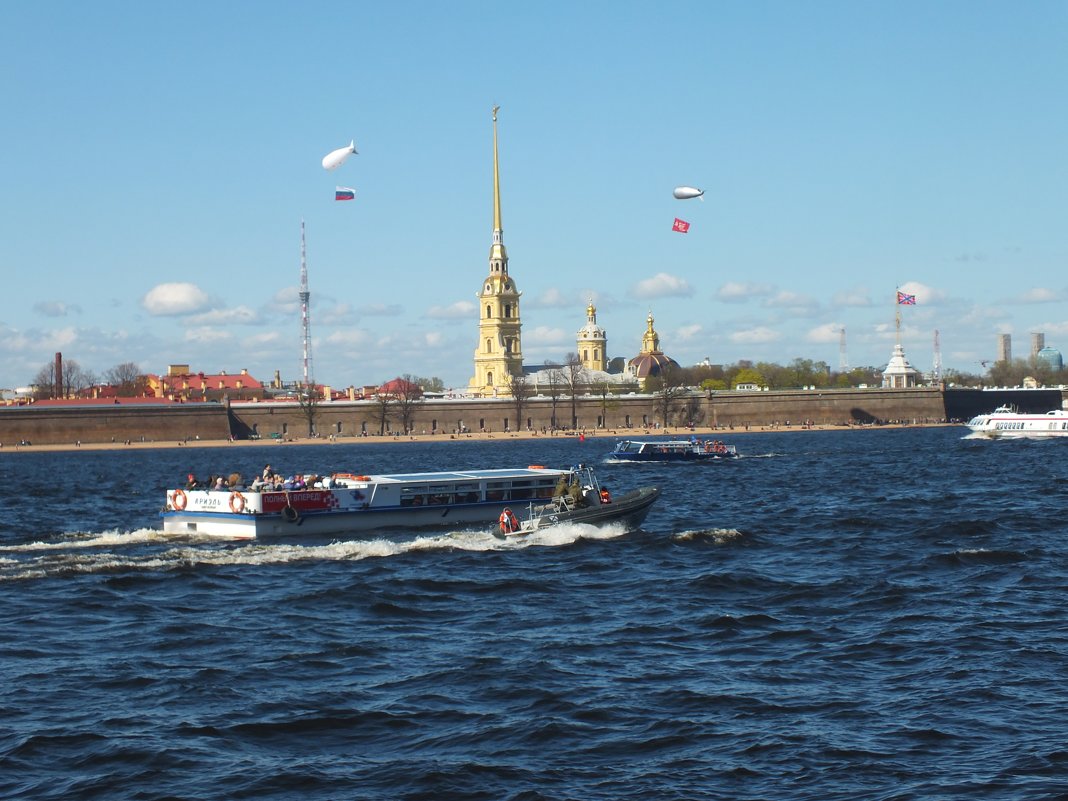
(586, 502)
(345, 503)
(672, 450)
(1005, 422)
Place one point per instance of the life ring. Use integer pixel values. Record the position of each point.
(290, 514)
(179, 500)
(237, 502)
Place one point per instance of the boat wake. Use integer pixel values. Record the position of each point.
(82, 554)
(717, 536)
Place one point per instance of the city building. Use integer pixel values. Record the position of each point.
(1050, 358)
(1004, 348)
(1038, 342)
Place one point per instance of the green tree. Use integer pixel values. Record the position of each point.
(748, 375)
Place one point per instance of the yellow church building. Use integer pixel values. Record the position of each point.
(499, 354)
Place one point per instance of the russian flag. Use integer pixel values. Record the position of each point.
(344, 193)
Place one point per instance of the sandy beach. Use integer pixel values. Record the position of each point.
(703, 432)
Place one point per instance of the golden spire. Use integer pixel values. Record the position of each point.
(497, 251)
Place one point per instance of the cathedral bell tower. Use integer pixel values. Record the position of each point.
(498, 354)
(592, 342)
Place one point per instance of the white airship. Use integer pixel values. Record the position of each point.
(687, 192)
(335, 158)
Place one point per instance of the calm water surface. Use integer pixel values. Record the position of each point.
(837, 615)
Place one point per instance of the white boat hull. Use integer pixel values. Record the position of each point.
(1005, 423)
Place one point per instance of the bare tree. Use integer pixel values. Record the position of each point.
(520, 388)
(127, 379)
(407, 394)
(572, 376)
(554, 378)
(309, 398)
(604, 394)
(75, 379)
(432, 384)
(668, 388)
(384, 404)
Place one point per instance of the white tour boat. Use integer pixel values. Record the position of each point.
(1006, 422)
(346, 503)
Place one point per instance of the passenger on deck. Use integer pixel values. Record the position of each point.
(605, 497)
(575, 491)
(191, 482)
(220, 484)
(509, 522)
(561, 487)
(257, 484)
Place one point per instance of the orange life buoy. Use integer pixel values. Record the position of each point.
(363, 478)
(237, 502)
(179, 500)
(536, 467)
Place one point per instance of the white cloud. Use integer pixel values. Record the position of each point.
(760, 335)
(461, 309)
(169, 300)
(737, 292)
(544, 335)
(661, 285)
(792, 302)
(551, 298)
(351, 338)
(824, 334)
(56, 308)
(688, 332)
(264, 339)
(1038, 295)
(240, 315)
(857, 296)
(206, 335)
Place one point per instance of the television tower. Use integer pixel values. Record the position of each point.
(937, 367)
(305, 322)
(843, 362)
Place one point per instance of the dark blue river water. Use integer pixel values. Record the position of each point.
(838, 615)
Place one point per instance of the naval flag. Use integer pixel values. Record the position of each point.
(344, 193)
(680, 226)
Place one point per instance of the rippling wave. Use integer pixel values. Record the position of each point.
(867, 614)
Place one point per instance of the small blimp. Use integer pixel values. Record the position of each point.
(686, 192)
(335, 158)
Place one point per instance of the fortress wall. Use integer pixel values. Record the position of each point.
(352, 418)
(50, 425)
(211, 421)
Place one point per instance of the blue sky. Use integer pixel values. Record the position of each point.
(156, 161)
